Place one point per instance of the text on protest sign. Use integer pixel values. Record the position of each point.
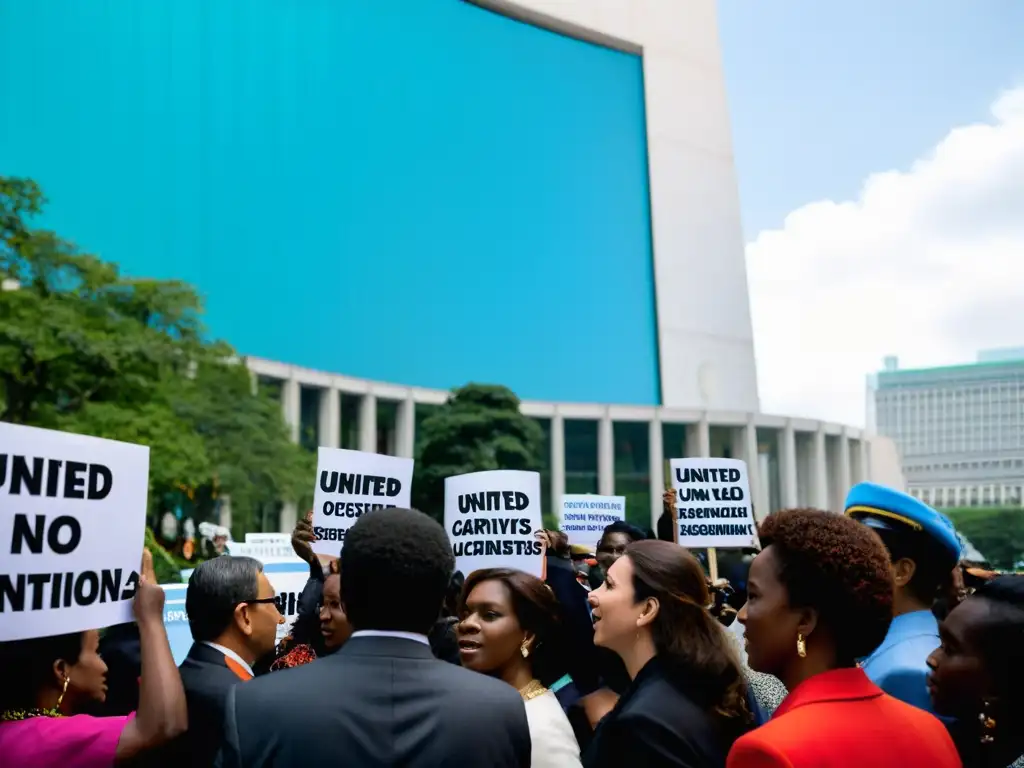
(713, 503)
(72, 524)
(584, 517)
(491, 518)
(351, 483)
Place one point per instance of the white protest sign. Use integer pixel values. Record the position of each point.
(713, 502)
(265, 547)
(491, 518)
(584, 517)
(350, 484)
(72, 524)
(288, 580)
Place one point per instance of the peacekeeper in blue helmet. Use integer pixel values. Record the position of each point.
(924, 550)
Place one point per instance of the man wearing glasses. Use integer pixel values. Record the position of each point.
(233, 619)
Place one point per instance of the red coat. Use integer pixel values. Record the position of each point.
(840, 719)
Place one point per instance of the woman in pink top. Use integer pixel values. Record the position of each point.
(46, 680)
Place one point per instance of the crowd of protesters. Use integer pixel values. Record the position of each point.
(844, 640)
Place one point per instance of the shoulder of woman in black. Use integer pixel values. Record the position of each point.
(657, 723)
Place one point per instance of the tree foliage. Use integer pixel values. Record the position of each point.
(478, 428)
(85, 349)
(997, 532)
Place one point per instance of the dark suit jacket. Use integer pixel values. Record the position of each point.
(207, 679)
(655, 725)
(378, 701)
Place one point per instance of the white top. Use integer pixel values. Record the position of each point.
(554, 744)
(230, 654)
(386, 633)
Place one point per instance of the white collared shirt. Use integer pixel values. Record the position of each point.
(231, 655)
(382, 633)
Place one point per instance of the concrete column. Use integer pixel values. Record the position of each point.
(224, 513)
(787, 466)
(405, 427)
(557, 462)
(750, 454)
(819, 470)
(864, 448)
(291, 407)
(657, 469)
(605, 455)
(368, 423)
(698, 439)
(330, 417)
(289, 516)
(845, 471)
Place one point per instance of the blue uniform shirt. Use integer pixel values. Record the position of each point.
(898, 665)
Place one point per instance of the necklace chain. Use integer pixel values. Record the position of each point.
(532, 690)
(14, 715)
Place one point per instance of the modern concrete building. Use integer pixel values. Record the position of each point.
(383, 199)
(959, 429)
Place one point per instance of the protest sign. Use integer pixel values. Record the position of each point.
(713, 503)
(72, 523)
(491, 518)
(265, 547)
(583, 518)
(350, 484)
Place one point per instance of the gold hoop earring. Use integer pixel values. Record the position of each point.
(60, 699)
(525, 649)
(801, 646)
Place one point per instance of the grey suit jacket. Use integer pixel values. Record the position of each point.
(377, 702)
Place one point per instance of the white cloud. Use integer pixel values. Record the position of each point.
(928, 264)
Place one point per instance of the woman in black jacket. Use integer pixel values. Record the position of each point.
(687, 702)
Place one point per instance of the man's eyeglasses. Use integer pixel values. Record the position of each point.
(266, 600)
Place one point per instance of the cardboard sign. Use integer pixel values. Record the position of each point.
(265, 547)
(351, 483)
(72, 524)
(713, 503)
(491, 518)
(583, 518)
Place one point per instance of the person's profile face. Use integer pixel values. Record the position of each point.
(958, 679)
(770, 624)
(87, 676)
(611, 547)
(334, 625)
(489, 635)
(264, 618)
(614, 608)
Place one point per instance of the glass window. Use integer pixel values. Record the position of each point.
(350, 421)
(580, 456)
(547, 509)
(309, 418)
(673, 439)
(387, 427)
(632, 470)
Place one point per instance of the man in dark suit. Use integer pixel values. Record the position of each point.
(382, 699)
(233, 619)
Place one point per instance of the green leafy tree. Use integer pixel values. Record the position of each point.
(480, 427)
(998, 533)
(84, 349)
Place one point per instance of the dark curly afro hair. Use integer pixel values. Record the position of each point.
(396, 565)
(840, 568)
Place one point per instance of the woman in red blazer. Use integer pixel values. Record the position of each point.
(819, 598)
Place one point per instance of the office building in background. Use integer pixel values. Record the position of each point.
(381, 204)
(959, 429)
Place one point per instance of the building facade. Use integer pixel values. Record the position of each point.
(959, 429)
(384, 200)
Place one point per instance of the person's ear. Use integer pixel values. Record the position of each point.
(60, 672)
(529, 643)
(807, 622)
(242, 619)
(648, 613)
(903, 571)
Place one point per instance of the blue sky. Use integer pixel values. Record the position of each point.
(824, 93)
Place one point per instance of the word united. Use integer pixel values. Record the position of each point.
(373, 490)
(494, 501)
(61, 535)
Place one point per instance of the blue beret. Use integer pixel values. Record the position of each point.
(889, 509)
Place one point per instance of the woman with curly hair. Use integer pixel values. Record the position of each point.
(820, 597)
(686, 704)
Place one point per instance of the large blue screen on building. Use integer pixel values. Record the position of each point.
(414, 191)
